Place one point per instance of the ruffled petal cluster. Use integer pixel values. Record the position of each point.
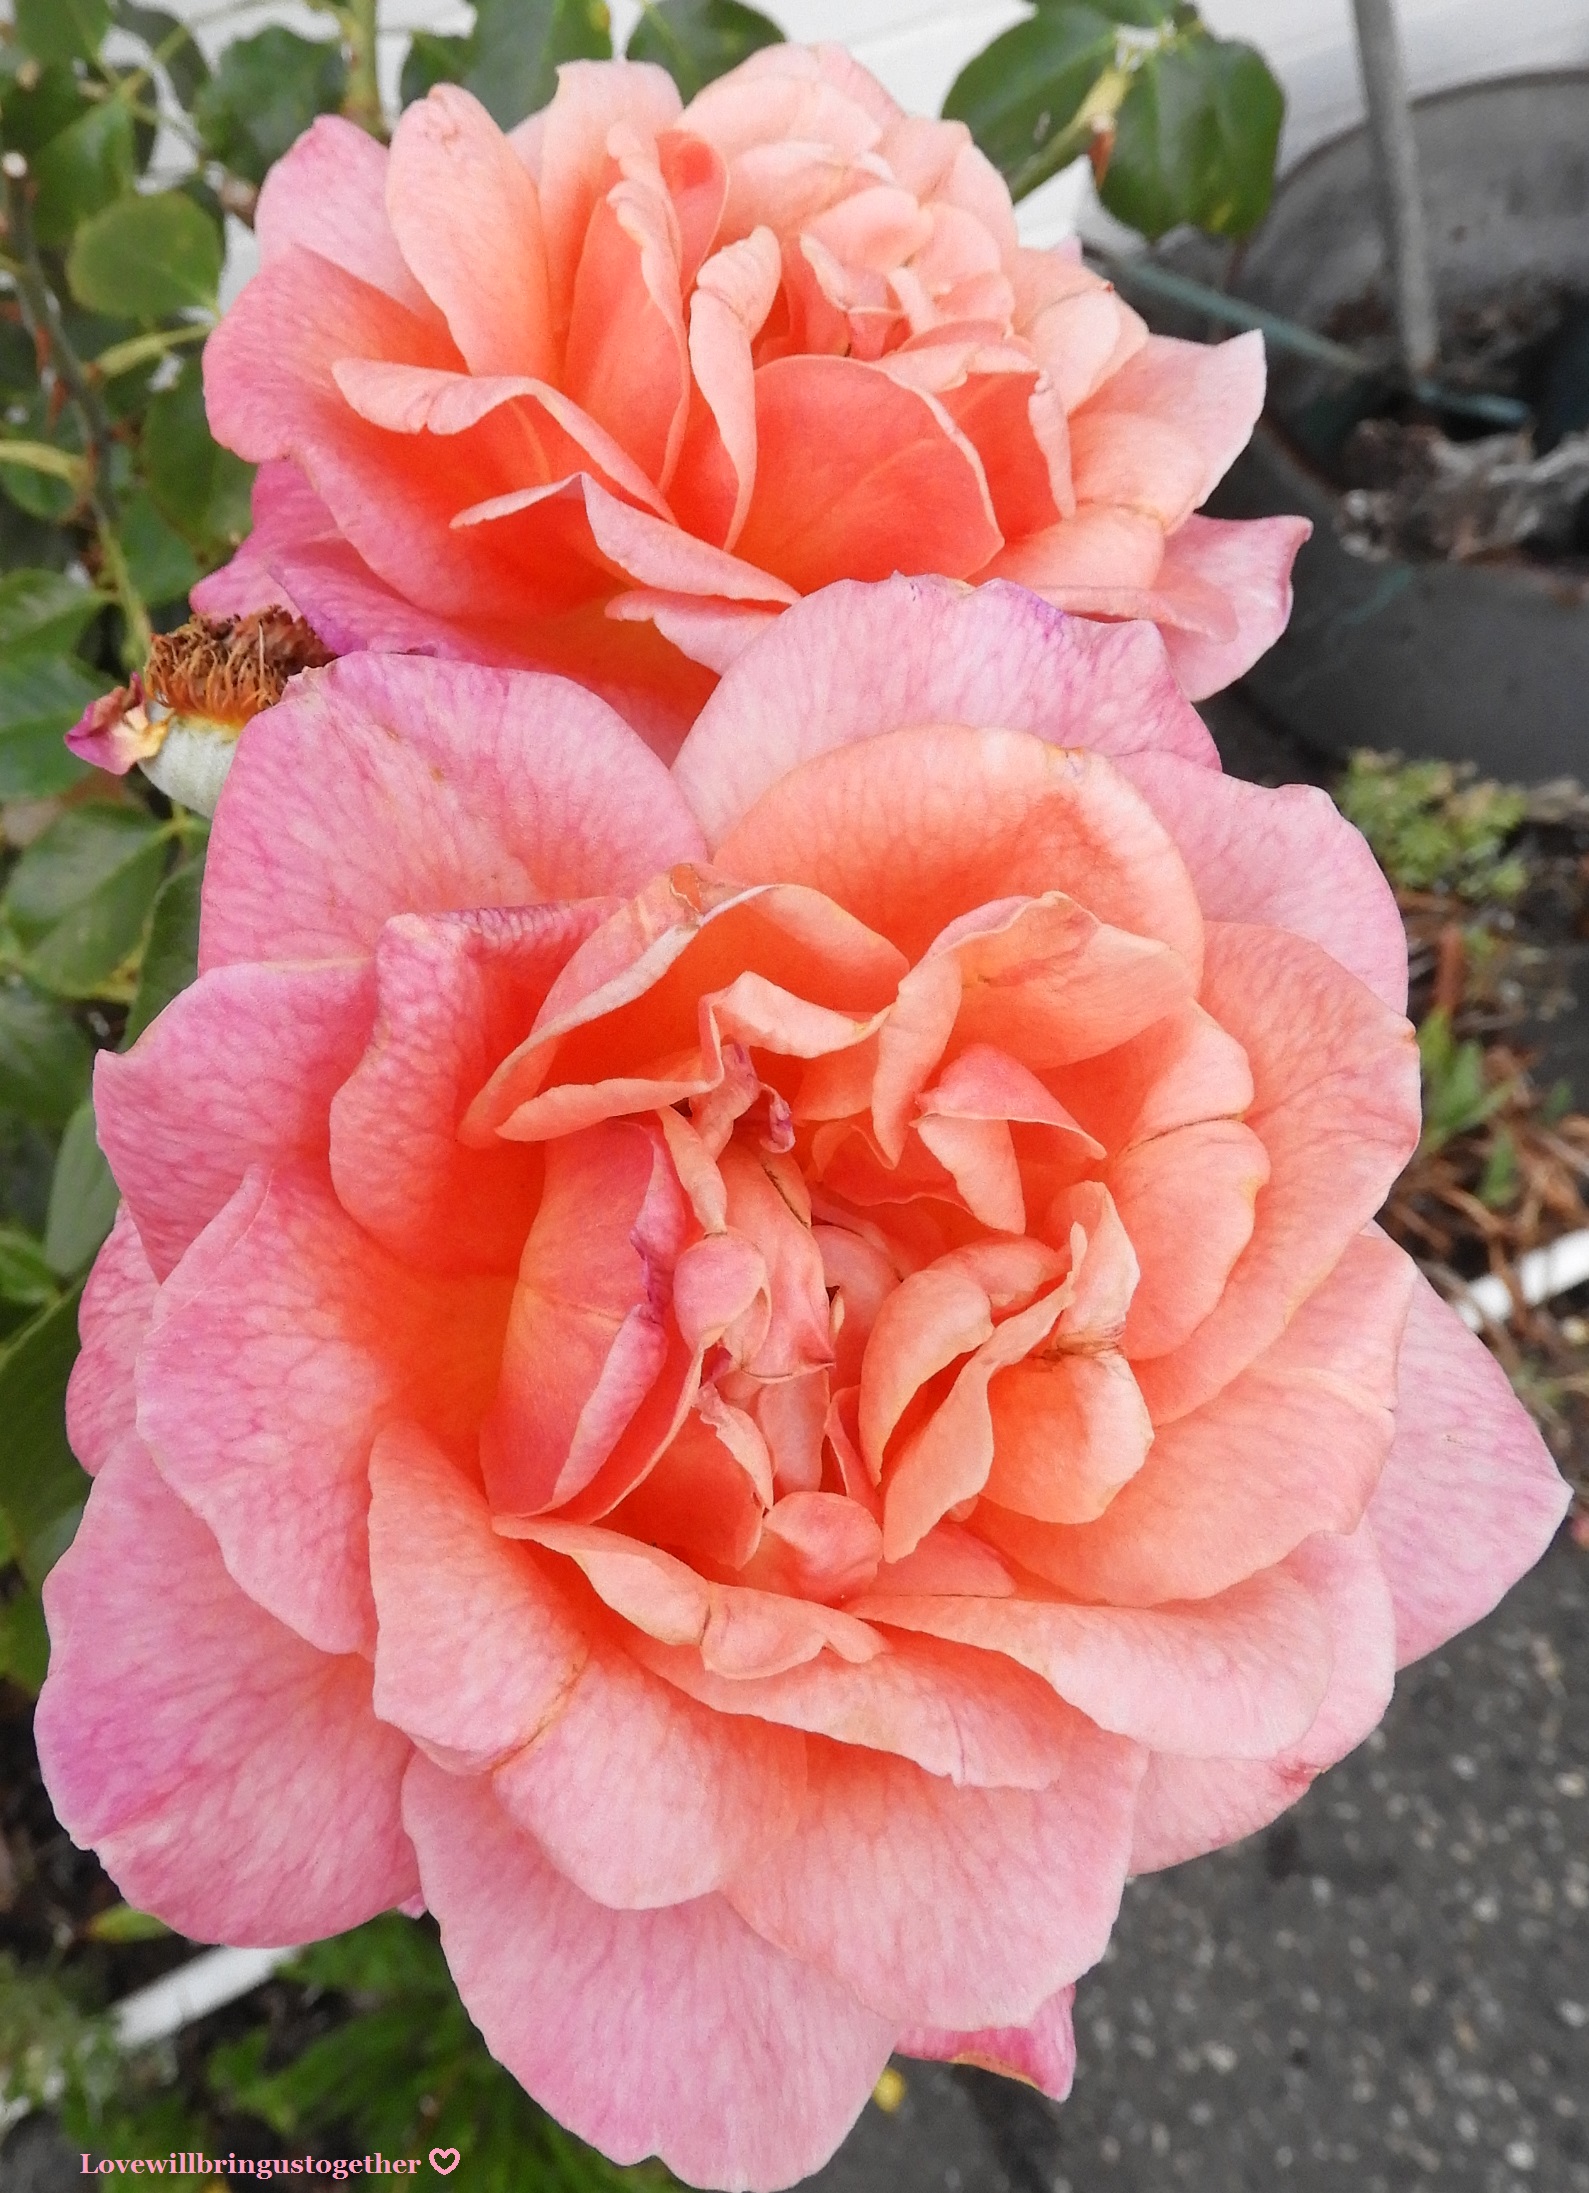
(605, 394)
(759, 1380)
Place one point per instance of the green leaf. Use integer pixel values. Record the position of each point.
(25, 1275)
(171, 957)
(85, 168)
(42, 1485)
(433, 58)
(83, 1197)
(1140, 14)
(43, 493)
(62, 30)
(183, 58)
(80, 896)
(121, 1923)
(45, 1059)
(36, 112)
(43, 612)
(1021, 95)
(1195, 140)
(40, 700)
(159, 559)
(265, 92)
(24, 1641)
(199, 487)
(518, 44)
(699, 40)
(146, 257)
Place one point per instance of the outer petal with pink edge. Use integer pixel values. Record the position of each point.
(1042, 2052)
(1286, 858)
(1189, 1806)
(117, 1304)
(1470, 1497)
(328, 193)
(1247, 562)
(198, 1745)
(457, 787)
(282, 1344)
(1335, 1073)
(767, 2062)
(952, 1907)
(856, 660)
(239, 1070)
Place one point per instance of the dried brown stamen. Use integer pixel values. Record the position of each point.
(227, 669)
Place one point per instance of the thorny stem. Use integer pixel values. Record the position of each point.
(42, 318)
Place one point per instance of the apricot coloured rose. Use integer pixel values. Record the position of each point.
(605, 394)
(759, 1380)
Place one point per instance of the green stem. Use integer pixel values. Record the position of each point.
(139, 634)
(42, 318)
(137, 350)
(363, 101)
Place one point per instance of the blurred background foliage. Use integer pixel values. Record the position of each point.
(125, 151)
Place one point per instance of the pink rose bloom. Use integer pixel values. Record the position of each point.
(606, 394)
(759, 1380)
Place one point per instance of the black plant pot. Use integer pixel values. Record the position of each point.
(1488, 660)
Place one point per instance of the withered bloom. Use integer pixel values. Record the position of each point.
(181, 717)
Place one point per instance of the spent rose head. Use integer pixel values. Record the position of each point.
(757, 1380)
(606, 393)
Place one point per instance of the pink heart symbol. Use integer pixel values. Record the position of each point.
(444, 2159)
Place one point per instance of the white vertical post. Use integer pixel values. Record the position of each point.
(1396, 174)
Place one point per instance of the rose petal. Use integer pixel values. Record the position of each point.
(1284, 858)
(453, 994)
(643, 1798)
(1470, 1497)
(461, 787)
(180, 1726)
(488, 274)
(1293, 1445)
(891, 829)
(1042, 2052)
(585, 1339)
(856, 660)
(954, 1907)
(1336, 1076)
(570, 1996)
(327, 194)
(1247, 561)
(281, 1345)
(840, 449)
(239, 1070)
(1236, 1676)
(1189, 1806)
(118, 1301)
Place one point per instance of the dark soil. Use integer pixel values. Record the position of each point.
(1422, 478)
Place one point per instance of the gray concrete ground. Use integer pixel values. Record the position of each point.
(1386, 1992)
